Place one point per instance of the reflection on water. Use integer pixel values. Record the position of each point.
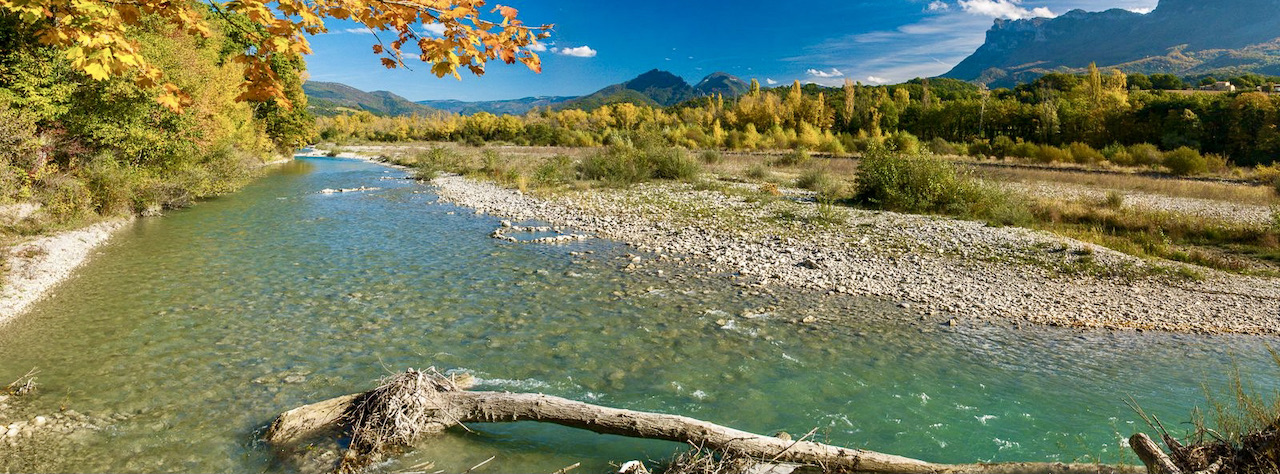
(207, 323)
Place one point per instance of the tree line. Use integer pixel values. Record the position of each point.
(1044, 120)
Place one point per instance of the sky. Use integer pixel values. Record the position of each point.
(598, 43)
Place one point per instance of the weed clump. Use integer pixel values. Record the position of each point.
(623, 164)
(429, 164)
(927, 184)
(819, 180)
(797, 157)
(758, 172)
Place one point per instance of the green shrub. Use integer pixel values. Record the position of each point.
(711, 157)
(438, 160)
(672, 163)
(819, 180)
(112, 185)
(622, 165)
(928, 184)
(617, 165)
(1145, 154)
(902, 142)
(1024, 150)
(912, 183)
(1051, 154)
(1002, 146)
(1084, 154)
(555, 170)
(981, 149)
(797, 157)
(941, 146)
(1216, 163)
(758, 171)
(1185, 162)
(832, 145)
(66, 199)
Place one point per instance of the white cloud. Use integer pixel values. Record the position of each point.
(825, 74)
(1143, 11)
(433, 29)
(938, 6)
(578, 52)
(770, 82)
(358, 31)
(876, 80)
(537, 47)
(1007, 9)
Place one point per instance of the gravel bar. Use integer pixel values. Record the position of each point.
(954, 271)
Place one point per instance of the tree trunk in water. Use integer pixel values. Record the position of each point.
(452, 407)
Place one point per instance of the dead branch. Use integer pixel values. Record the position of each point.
(414, 404)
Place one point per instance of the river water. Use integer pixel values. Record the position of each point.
(203, 325)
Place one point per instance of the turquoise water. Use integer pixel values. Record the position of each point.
(207, 323)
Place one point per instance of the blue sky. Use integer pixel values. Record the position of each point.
(598, 43)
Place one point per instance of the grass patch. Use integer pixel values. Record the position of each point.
(1222, 245)
(927, 184)
(1236, 193)
(797, 157)
(930, 185)
(624, 164)
(819, 180)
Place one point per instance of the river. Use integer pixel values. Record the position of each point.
(203, 325)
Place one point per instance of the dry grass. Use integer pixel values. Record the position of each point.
(1236, 193)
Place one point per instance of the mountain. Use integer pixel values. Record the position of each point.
(1182, 37)
(496, 107)
(722, 83)
(332, 98)
(659, 88)
(654, 88)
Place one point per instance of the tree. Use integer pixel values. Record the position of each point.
(94, 34)
(1167, 82)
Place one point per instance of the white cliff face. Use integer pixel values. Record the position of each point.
(1019, 50)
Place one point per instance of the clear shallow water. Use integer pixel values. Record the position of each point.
(206, 324)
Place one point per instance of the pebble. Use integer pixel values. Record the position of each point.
(932, 265)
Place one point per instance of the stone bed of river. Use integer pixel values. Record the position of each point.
(203, 325)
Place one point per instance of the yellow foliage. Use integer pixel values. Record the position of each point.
(92, 33)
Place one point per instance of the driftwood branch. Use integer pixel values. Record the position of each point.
(438, 404)
(1152, 456)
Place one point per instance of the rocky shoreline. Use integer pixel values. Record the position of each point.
(946, 270)
(37, 266)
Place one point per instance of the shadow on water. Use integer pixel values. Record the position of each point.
(202, 326)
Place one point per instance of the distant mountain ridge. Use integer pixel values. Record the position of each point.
(1183, 37)
(332, 98)
(496, 107)
(660, 88)
(655, 88)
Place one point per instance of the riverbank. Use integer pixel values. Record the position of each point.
(30, 269)
(35, 267)
(946, 270)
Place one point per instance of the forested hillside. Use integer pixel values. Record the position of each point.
(85, 148)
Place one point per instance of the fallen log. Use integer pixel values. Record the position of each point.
(413, 404)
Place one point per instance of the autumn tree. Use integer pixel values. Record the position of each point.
(94, 35)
